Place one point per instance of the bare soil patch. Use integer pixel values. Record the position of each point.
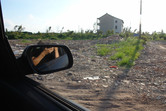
(92, 83)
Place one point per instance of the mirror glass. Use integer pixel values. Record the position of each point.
(48, 58)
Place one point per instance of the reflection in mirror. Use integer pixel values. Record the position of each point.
(46, 58)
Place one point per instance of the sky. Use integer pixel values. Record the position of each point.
(77, 15)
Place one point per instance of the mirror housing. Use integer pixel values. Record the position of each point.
(44, 59)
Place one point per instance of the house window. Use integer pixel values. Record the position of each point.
(116, 21)
(116, 27)
(98, 21)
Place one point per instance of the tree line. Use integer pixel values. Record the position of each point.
(19, 33)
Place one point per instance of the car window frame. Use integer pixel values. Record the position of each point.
(7, 54)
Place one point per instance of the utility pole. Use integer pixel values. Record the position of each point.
(140, 19)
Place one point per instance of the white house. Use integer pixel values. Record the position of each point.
(109, 22)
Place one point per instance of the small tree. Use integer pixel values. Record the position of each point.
(18, 31)
(47, 32)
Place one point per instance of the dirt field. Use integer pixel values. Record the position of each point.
(92, 83)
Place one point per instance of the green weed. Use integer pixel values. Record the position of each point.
(26, 41)
(118, 55)
(103, 50)
(126, 51)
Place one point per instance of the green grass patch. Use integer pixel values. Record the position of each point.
(104, 49)
(26, 41)
(125, 52)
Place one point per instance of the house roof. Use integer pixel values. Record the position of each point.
(110, 16)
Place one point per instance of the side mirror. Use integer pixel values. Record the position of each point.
(44, 59)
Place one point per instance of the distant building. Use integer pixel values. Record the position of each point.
(109, 22)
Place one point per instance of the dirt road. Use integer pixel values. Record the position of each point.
(93, 84)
